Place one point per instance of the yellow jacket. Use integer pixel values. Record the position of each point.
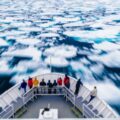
(35, 82)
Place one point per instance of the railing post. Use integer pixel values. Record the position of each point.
(33, 94)
(83, 111)
(13, 111)
(74, 101)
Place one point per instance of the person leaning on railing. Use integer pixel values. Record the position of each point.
(30, 82)
(54, 86)
(93, 94)
(42, 85)
(67, 81)
(50, 85)
(23, 85)
(59, 82)
(36, 84)
(78, 85)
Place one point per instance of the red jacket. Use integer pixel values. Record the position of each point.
(66, 80)
(59, 81)
(30, 82)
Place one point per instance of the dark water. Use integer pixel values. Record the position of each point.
(80, 38)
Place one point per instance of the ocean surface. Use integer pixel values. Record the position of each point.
(77, 37)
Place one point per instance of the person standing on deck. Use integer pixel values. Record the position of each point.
(78, 85)
(36, 84)
(30, 82)
(59, 81)
(67, 81)
(43, 84)
(54, 86)
(23, 85)
(93, 94)
(54, 83)
(50, 85)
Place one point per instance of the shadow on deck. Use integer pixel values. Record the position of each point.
(57, 102)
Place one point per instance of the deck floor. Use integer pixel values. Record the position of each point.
(58, 102)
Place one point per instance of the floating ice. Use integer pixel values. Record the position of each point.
(56, 61)
(19, 24)
(48, 35)
(76, 24)
(13, 33)
(77, 66)
(86, 73)
(106, 46)
(36, 29)
(7, 20)
(40, 71)
(53, 29)
(66, 19)
(61, 51)
(24, 66)
(3, 43)
(4, 66)
(28, 41)
(44, 25)
(93, 34)
(97, 69)
(19, 77)
(111, 59)
(29, 52)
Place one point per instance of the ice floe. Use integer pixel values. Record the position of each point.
(25, 66)
(111, 59)
(48, 24)
(3, 66)
(28, 41)
(107, 46)
(36, 29)
(56, 61)
(13, 33)
(48, 35)
(29, 52)
(61, 51)
(66, 19)
(3, 43)
(77, 66)
(92, 34)
(76, 24)
(19, 77)
(19, 24)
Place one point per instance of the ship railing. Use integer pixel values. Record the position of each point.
(31, 93)
(36, 91)
(14, 96)
(7, 112)
(88, 113)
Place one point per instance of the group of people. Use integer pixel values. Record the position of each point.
(30, 83)
(59, 82)
(34, 82)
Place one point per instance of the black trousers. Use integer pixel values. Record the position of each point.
(91, 98)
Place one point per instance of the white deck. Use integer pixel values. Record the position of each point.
(56, 102)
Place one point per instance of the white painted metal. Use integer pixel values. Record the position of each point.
(12, 94)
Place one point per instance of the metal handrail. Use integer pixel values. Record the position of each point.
(89, 110)
(57, 75)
